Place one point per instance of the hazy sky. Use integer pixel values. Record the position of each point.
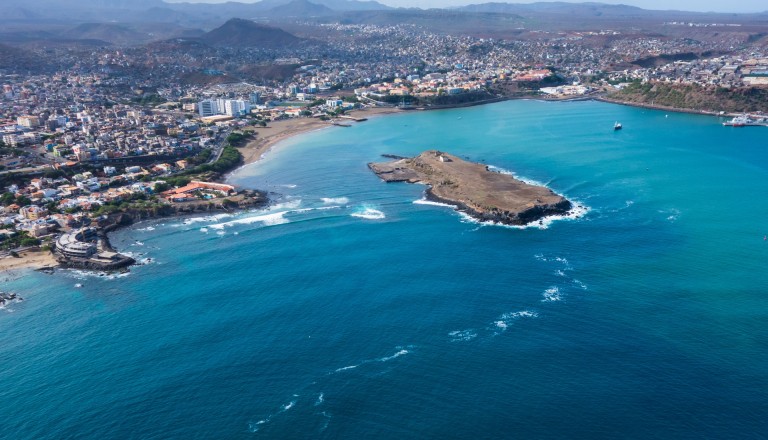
(682, 5)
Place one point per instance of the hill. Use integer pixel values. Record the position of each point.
(112, 33)
(694, 97)
(301, 8)
(238, 32)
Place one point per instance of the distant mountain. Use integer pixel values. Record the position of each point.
(268, 7)
(113, 33)
(238, 32)
(300, 8)
(560, 8)
(352, 5)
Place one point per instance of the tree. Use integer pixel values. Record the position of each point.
(7, 199)
(29, 241)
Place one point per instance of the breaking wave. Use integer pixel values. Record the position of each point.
(552, 294)
(335, 200)
(431, 203)
(462, 335)
(502, 323)
(369, 214)
(394, 356)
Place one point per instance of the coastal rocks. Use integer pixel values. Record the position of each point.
(472, 188)
(9, 297)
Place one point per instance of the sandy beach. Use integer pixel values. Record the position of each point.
(267, 137)
(27, 260)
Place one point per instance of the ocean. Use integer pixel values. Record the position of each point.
(352, 309)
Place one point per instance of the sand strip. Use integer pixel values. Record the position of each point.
(267, 137)
(27, 260)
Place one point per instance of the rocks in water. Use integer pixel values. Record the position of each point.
(9, 297)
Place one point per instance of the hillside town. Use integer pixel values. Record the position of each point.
(121, 124)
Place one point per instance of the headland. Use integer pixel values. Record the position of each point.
(474, 189)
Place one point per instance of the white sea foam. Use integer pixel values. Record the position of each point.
(148, 228)
(431, 203)
(254, 427)
(462, 335)
(335, 200)
(522, 179)
(276, 218)
(674, 214)
(320, 399)
(562, 260)
(552, 294)
(579, 284)
(205, 230)
(503, 322)
(138, 243)
(577, 211)
(144, 261)
(520, 314)
(350, 367)
(327, 421)
(205, 219)
(290, 185)
(394, 356)
(369, 214)
(83, 274)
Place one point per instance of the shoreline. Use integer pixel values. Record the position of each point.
(276, 132)
(664, 108)
(27, 259)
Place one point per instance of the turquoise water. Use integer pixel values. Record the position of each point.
(346, 310)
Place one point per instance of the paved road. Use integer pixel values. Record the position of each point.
(219, 148)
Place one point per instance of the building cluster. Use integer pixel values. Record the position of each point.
(136, 113)
(723, 71)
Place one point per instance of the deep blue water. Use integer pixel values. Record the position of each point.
(348, 311)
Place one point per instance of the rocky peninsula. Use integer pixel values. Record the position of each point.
(474, 189)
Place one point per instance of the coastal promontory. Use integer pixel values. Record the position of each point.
(474, 189)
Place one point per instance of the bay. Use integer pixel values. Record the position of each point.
(346, 310)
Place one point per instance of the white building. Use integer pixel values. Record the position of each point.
(208, 107)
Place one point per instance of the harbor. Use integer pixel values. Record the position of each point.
(746, 121)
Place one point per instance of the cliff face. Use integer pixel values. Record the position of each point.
(472, 188)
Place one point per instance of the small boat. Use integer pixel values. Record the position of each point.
(617, 126)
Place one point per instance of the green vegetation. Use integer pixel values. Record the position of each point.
(149, 99)
(230, 158)
(19, 239)
(689, 96)
(237, 138)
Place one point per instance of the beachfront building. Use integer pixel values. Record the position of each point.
(196, 189)
(77, 244)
